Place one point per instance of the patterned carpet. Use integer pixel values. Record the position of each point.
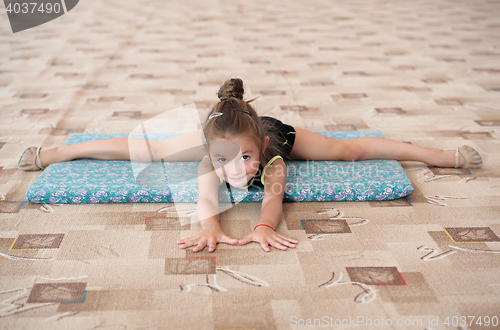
(424, 72)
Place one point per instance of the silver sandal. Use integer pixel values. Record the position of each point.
(30, 160)
(472, 159)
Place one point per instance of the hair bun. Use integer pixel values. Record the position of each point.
(231, 88)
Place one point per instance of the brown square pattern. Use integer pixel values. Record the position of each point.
(10, 207)
(417, 291)
(277, 72)
(187, 266)
(448, 102)
(37, 241)
(55, 131)
(93, 86)
(326, 226)
(57, 293)
(315, 83)
(435, 81)
(488, 123)
(165, 223)
(398, 111)
(272, 92)
(66, 74)
(472, 235)
(403, 201)
(294, 108)
(376, 275)
(180, 92)
(108, 99)
(416, 89)
(448, 170)
(353, 95)
(354, 73)
(142, 76)
(210, 83)
(476, 136)
(128, 114)
(341, 127)
(34, 112)
(33, 96)
(323, 64)
(487, 70)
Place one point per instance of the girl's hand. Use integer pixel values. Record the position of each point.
(208, 237)
(266, 236)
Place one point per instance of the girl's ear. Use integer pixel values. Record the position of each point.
(205, 149)
(264, 143)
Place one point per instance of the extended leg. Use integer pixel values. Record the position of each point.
(313, 146)
(187, 147)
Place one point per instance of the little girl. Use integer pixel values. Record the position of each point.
(243, 150)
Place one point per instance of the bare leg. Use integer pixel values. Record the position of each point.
(112, 149)
(313, 146)
(187, 147)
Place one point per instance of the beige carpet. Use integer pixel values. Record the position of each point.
(425, 72)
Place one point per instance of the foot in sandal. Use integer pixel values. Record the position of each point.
(471, 157)
(30, 160)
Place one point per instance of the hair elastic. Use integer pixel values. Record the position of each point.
(244, 110)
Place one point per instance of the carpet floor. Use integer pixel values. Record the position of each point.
(423, 72)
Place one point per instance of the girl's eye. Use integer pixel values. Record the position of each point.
(245, 157)
(222, 160)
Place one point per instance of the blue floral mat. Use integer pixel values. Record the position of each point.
(97, 181)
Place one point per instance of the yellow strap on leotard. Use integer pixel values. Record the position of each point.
(267, 165)
(286, 141)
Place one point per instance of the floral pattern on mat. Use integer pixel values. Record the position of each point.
(98, 181)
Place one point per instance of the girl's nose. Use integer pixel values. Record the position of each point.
(236, 167)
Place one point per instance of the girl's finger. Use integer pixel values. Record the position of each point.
(228, 240)
(185, 244)
(265, 246)
(278, 245)
(284, 241)
(201, 245)
(246, 240)
(212, 244)
(288, 239)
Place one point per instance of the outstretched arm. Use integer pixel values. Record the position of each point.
(208, 213)
(272, 210)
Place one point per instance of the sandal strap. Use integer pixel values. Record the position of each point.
(38, 161)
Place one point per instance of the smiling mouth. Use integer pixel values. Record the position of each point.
(239, 178)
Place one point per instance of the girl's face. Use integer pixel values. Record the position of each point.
(235, 160)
